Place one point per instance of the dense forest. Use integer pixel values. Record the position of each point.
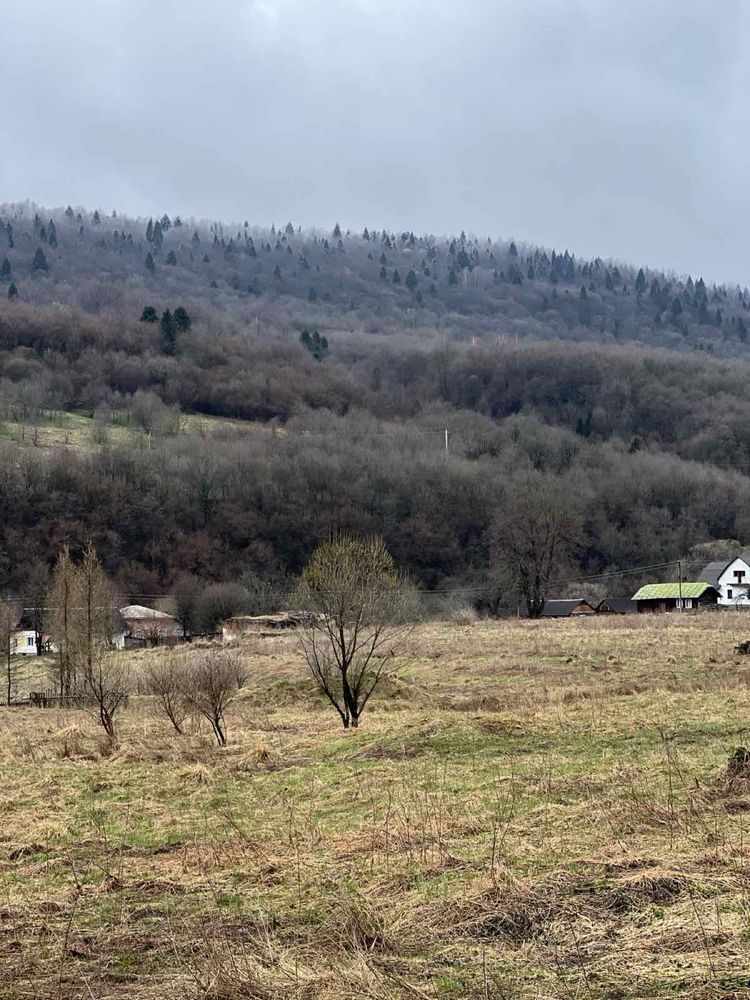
(342, 361)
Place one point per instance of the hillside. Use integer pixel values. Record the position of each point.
(238, 277)
(224, 440)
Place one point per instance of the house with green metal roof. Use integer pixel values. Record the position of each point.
(685, 596)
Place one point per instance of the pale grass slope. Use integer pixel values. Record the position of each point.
(530, 810)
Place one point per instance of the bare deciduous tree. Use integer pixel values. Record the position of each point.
(167, 680)
(359, 613)
(62, 602)
(93, 610)
(214, 677)
(9, 615)
(39, 587)
(533, 537)
(104, 682)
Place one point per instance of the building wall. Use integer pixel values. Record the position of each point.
(153, 628)
(735, 593)
(24, 642)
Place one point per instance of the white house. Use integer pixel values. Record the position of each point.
(23, 642)
(731, 579)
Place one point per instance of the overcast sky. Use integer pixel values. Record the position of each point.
(611, 128)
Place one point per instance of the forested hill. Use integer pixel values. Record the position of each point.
(237, 276)
(207, 403)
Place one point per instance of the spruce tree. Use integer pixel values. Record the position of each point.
(149, 315)
(411, 280)
(39, 262)
(171, 258)
(640, 282)
(337, 232)
(12, 290)
(5, 271)
(181, 319)
(168, 333)
(149, 262)
(150, 231)
(51, 234)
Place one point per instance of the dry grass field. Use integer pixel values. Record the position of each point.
(530, 810)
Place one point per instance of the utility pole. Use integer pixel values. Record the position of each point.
(446, 440)
(679, 578)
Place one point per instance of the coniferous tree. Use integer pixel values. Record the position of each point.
(96, 218)
(168, 333)
(149, 262)
(39, 262)
(150, 231)
(411, 280)
(396, 279)
(157, 237)
(182, 320)
(5, 270)
(171, 257)
(12, 290)
(149, 315)
(337, 232)
(51, 234)
(640, 282)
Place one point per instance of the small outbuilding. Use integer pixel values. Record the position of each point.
(617, 606)
(663, 597)
(241, 625)
(563, 608)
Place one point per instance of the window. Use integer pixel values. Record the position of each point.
(29, 640)
(688, 602)
(739, 576)
(730, 593)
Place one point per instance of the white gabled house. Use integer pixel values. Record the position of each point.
(732, 580)
(23, 642)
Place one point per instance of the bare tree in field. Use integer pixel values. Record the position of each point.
(104, 683)
(213, 680)
(62, 605)
(9, 614)
(167, 679)
(39, 588)
(187, 592)
(359, 612)
(533, 537)
(92, 617)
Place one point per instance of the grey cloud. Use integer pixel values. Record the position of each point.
(603, 127)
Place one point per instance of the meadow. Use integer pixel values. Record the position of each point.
(536, 810)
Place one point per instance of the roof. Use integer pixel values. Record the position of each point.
(713, 570)
(138, 611)
(559, 608)
(619, 605)
(667, 591)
